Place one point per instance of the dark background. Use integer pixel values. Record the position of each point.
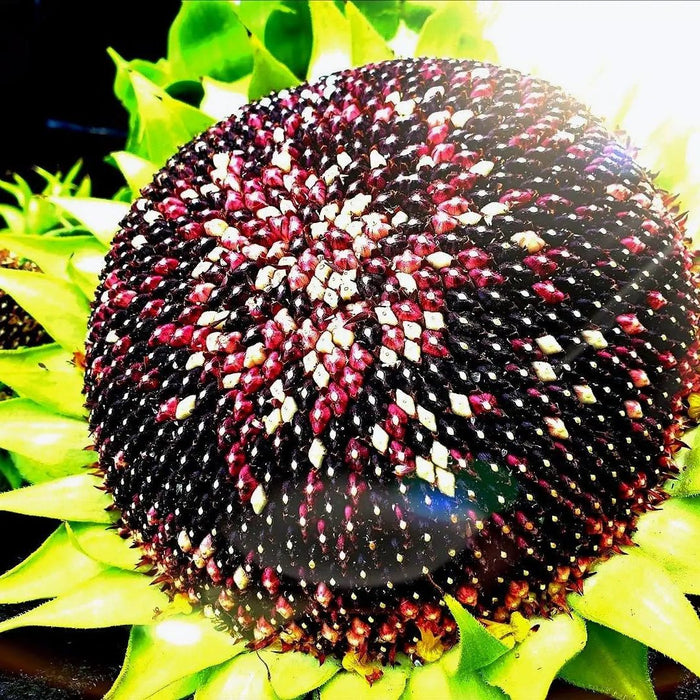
(56, 80)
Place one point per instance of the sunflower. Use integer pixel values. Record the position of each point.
(392, 380)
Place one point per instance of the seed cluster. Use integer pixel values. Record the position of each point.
(419, 327)
(17, 327)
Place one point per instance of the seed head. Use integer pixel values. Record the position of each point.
(419, 327)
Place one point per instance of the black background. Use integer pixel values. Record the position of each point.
(56, 99)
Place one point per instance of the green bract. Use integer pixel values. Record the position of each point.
(224, 54)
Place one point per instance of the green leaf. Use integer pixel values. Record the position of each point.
(100, 216)
(110, 599)
(269, 74)
(244, 678)
(670, 536)
(331, 50)
(182, 688)
(14, 218)
(52, 570)
(636, 597)
(478, 648)
(455, 31)
(435, 681)
(612, 664)
(84, 270)
(293, 674)
(9, 472)
(254, 14)
(351, 685)
(367, 44)
(137, 171)
(103, 544)
(527, 670)
(384, 15)
(159, 655)
(221, 100)
(74, 498)
(207, 38)
(58, 442)
(688, 460)
(46, 375)
(165, 124)
(288, 35)
(58, 306)
(51, 254)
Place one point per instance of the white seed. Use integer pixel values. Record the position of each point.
(386, 315)
(405, 108)
(212, 318)
(434, 320)
(445, 482)
(376, 159)
(399, 218)
(317, 453)
(358, 203)
(310, 361)
(388, 357)
(460, 405)
(321, 376)
(595, 339)
(405, 402)
(407, 282)
(439, 259)
(185, 407)
(231, 380)
(427, 419)
(282, 160)
(439, 454)
(139, 241)
(254, 355)
(267, 212)
(201, 268)
(380, 438)
(483, 168)
(272, 421)
(343, 160)
(412, 330)
(343, 337)
(277, 390)
(195, 360)
(556, 428)
(331, 174)
(461, 117)
(544, 371)
(241, 579)
(289, 408)
(325, 343)
(215, 227)
(584, 394)
(469, 218)
(548, 344)
(411, 351)
(425, 469)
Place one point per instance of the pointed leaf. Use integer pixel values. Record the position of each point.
(49, 253)
(71, 498)
(14, 218)
(367, 44)
(670, 536)
(53, 569)
(688, 459)
(161, 654)
(635, 596)
(46, 375)
(207, 38)
(56, 441)
(383, 15)
(611, 664)
(478, 648)
(434, 681)
(351, 685)
(527, 670)
(137, 171)
(221, 100)
(244, 678)
(101, 216)
(84, 270)
(112, 598)
(254, 14)
(269, 74)
(165, 124)
(293, 674)
(288, 35)
(9, 472)
(182, 688)
(103, 544)
(455, 31)
(331, 50)
(58, 306)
